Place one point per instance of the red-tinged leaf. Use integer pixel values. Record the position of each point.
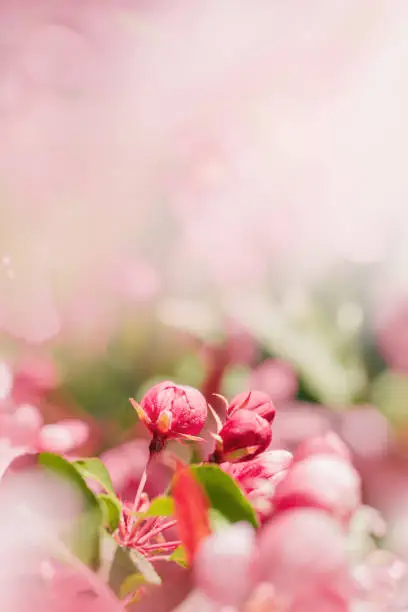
(191, 510)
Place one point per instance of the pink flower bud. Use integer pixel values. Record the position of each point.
(225, 558)
(263, 467)
(327, 444)
(171, 411)
(303, 553)
(244, 435)
(321, 481)
(255, 401)
(259, 478)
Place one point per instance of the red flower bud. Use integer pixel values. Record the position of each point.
(172, 411)
(244, 435)
(327, 444)
(255, 401)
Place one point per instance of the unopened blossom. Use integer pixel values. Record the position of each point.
(321, 481)
(225, 559)
(255, 401)
(326, 444)
(259, 477)
(303, 553)
(263, 467)
(172, 411)
(244, 435)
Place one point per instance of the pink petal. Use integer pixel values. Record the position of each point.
(63, 436)
(223, 559)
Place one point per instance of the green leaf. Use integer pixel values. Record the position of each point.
(84, 542)
(217, 520)
(179, 556)
(160, 506)
(224, 494)
(94, 469)
(111, 510)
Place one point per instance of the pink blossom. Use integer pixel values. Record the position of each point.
(34, 377)
(22, 430)
(36, 512)
(63, 437)
(381, 580)
(302, 552)
(244, 435)
(327, 444)
(321, 481)
(170, 411)
(225, 559)
(276, 378)
(255, 401)
(259, 478)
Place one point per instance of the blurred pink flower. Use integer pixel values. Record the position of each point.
(225, 558)
(36, 511)
(298, 421)
(22, 430)
(303, 553)
(320, 481)
(328, 444)
(275, 377)
(33, 378)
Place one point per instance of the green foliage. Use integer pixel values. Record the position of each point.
(111, 510)
(94, 469)
(84, 540)
(224, 495)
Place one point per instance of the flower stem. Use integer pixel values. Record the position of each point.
(138, 496)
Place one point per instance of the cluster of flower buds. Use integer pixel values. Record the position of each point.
(320, 475)
(301, 558)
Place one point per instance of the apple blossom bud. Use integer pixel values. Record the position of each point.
(225, 558)
(263, 467)
(172, 411)
(244, 435)
(255, 401)
(321, 481)
(327, 444)
(303, 553)
(259, 478)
